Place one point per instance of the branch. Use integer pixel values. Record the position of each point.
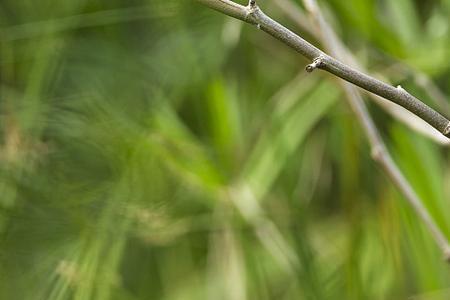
(414, 122)
(379, 149)
(254, 15)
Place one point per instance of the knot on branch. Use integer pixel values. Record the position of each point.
(447, 255)
(250, 15)
(447, 130)
(317, 63)
(378, 152)
(401, 89)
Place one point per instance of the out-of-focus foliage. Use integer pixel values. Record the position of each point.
(158, 150)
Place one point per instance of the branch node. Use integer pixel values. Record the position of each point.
(447, 130)
(447, 254)
(317, 63)
(251, 8)
(377, 152)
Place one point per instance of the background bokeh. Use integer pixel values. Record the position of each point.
(159, 150)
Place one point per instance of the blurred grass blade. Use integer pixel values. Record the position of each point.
(287, 131)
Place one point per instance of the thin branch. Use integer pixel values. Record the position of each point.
(254, 15)
(293, 12)
(379, 149)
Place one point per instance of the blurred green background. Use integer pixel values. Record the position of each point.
(159, 150)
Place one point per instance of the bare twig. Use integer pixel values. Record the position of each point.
(294, 12)
(254, 15)
(379, 150)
